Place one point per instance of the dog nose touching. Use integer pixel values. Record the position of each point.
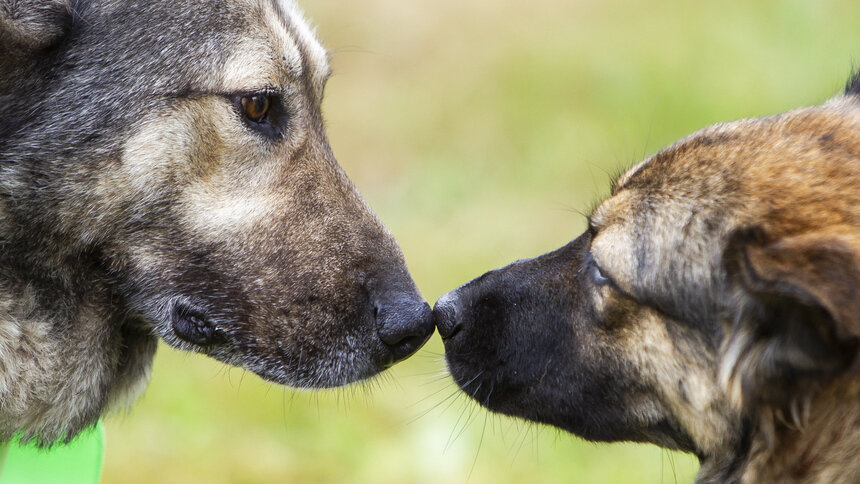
(446, 315)
(404, 323)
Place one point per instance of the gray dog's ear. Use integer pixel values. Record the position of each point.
(33, 24)
(797, 318)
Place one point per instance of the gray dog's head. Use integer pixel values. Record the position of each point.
(173, 154)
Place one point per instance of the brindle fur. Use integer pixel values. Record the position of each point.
(136, 203)
(712, 306)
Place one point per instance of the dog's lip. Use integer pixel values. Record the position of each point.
(387, 363)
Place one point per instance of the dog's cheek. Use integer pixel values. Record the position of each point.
(679, 366)
(139, 191)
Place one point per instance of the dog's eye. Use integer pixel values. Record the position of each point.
(597, 275)
(255, 107)
(600, 277)
(263, 112)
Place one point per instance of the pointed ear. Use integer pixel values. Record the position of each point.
(797, 313)
(33, 24)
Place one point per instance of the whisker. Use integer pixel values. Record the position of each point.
(424, 413)
(457, 424)
(480, 443)
(432, 394)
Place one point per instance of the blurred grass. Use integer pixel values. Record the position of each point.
(477, 130)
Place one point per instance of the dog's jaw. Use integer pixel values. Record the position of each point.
(49, 392)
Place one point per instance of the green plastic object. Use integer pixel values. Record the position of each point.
(79, 462)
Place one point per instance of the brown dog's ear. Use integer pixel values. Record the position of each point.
(33, 24)
(798, 313)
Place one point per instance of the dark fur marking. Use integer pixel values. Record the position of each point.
(660, 167)
(852, 87)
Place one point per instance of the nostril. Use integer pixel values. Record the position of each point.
(404, 325)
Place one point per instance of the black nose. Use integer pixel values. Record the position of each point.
(447, 314)
(404, 323)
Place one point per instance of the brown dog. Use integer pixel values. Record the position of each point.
(712, 306)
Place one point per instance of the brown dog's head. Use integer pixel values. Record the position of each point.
(717, 282)
(172, 156)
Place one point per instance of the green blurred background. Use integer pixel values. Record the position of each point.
(477, 130)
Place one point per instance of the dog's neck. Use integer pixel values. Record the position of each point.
(67, 347)
(820, 444)
(817, 441)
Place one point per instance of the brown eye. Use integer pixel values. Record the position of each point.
(255, 107)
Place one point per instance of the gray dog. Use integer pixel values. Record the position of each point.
(164, 172)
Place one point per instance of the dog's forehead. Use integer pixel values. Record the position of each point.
(763, 164)
(280, 46)
(703, 149)
(612, 210)
(315, 56)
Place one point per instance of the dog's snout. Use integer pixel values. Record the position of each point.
(404, 323)
(447, 315)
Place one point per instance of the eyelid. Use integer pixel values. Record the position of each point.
(609, 280)
(263, 90)
(600, 276)
(270, 92)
